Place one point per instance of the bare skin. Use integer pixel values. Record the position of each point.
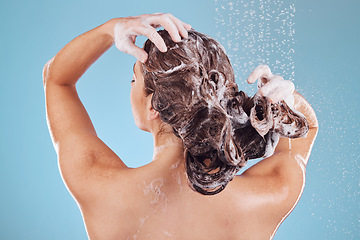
(154, 201)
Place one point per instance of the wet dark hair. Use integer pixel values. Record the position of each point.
(194, 91)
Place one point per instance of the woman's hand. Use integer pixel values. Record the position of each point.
(273, 87)
(127, 29)
(276, 89)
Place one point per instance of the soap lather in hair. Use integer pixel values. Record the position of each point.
(194, 91)
(204, 130)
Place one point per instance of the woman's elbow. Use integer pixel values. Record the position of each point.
(45, 73)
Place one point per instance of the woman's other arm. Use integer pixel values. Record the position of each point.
(300, 148)
(276, 89)
(278, 180)
(291, 155)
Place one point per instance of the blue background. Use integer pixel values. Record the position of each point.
(34, 202)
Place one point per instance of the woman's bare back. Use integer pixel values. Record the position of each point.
(156, 202)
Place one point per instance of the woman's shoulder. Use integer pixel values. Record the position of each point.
(273, 191)
(97, 173)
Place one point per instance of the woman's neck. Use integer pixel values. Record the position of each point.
(168, 148)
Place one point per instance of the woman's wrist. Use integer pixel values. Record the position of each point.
(109, 26)
(305, 108)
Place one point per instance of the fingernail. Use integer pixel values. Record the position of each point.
(177, 38)
(143, 59)
(187, 26)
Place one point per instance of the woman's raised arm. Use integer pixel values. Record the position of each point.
(68, 122)
(279, 180)
(71, 129)
(66, 115)
(289, 153)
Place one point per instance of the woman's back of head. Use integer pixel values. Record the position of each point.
(194, 91)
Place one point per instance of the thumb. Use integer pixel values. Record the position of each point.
(140, 54)
(127, 45)
(137, 52)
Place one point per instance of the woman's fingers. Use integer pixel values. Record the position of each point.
(262, 72)
(273, 87)
(126, 44)
(137, 52)
(290, 100)
(277, 89)
(126, 30)
(182, 27)
(154, 36)
(171, 24)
